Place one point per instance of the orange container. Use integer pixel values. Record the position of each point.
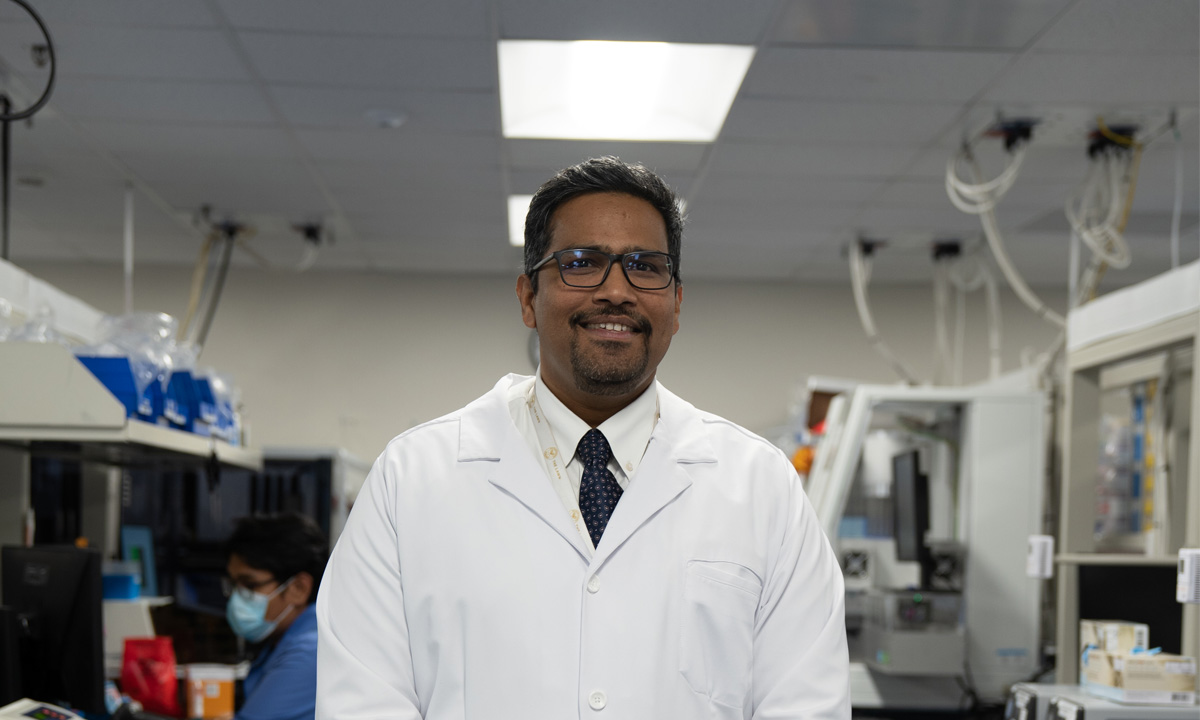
(210, 691)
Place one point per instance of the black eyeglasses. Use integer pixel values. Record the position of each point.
(229, 586)
(589, 268)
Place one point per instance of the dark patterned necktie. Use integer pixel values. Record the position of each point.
(598, 489)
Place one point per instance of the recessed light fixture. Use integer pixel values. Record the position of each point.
(518, 208)
(599, 90)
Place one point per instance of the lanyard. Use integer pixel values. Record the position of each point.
(556, 465)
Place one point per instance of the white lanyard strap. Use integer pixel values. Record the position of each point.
(556, 464)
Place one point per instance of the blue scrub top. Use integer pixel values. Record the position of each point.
(282, 682)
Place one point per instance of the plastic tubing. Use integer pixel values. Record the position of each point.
(996, 242)
(992, 290)
(1102, 187)
(977, 198)
(859, 272)
(991, 231)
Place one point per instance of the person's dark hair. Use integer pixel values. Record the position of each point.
(283, 545)
(599, 175)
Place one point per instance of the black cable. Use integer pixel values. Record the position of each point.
(9, 116)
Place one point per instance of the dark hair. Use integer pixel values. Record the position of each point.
(283, 545)
(599, 175)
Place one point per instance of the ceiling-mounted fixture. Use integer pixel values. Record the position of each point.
(518, 208)
(600, 90)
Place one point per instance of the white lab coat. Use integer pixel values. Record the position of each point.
(461, 589)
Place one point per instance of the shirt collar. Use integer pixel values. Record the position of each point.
(628, 431)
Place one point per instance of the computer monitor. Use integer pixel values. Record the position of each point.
(910, 505)
(56, 594)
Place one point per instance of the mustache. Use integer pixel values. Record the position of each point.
(638, 322)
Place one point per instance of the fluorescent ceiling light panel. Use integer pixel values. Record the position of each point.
(518, 208)
(596, 90)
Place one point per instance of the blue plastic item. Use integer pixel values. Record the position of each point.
(116, 375)
(206, 404)
(180, 406)
(121, 584)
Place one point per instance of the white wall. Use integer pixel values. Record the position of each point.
(352, 359)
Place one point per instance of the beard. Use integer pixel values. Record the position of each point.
(611, 368)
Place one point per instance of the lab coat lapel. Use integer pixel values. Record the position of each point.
(678, 441)
(487, 434)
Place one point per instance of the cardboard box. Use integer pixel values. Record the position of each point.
(210, 691)
(1114, 636)
(1140, 678)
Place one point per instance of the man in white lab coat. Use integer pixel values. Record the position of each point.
(583, 543)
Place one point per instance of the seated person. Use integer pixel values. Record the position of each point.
(275, 565)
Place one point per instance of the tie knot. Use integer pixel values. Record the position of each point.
(593, 449)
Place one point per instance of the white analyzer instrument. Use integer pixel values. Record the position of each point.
(26, 709)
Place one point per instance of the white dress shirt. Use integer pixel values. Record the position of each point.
(628, 433)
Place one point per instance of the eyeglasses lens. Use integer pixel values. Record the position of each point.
(587, 268)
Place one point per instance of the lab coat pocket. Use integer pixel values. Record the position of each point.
(716, 641)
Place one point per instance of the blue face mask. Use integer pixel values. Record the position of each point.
(246, 612)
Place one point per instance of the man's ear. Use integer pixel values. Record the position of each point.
(297, 593)
(525, 296)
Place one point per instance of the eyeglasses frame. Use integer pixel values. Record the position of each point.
(612, 259)
(229, 586)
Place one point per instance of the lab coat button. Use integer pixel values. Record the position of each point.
(593, 585)
(597, 700)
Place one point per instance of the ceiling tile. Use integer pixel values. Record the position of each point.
(871, 75)
(446, 255)
(368, 61)
(974, 24)
(836, 123)
(747, 221)
(162, 101)
(885, 222)
(48, 136)
(268, 187)
(141, 52)
(433, 112)
(724, 263)
(380, 181)
(412, 18)
(553, 155)
(685, 21)
(526, 182)
(1100, 80)
(800, 192)
(401, 147)
(185, 141)
(932, 193)
(461, 231)
(1153, 27)
(143, 13)
(774, 159)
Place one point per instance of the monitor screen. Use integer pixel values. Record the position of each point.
(56, 593)
(910, 501)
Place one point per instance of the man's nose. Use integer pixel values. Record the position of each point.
(616, 288)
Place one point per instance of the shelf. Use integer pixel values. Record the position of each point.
(1114, 559)
(54, 405)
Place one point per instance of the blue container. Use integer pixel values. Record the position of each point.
(121, 581)
(180, 406)
(116, 375)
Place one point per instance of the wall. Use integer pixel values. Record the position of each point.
(352, 359)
